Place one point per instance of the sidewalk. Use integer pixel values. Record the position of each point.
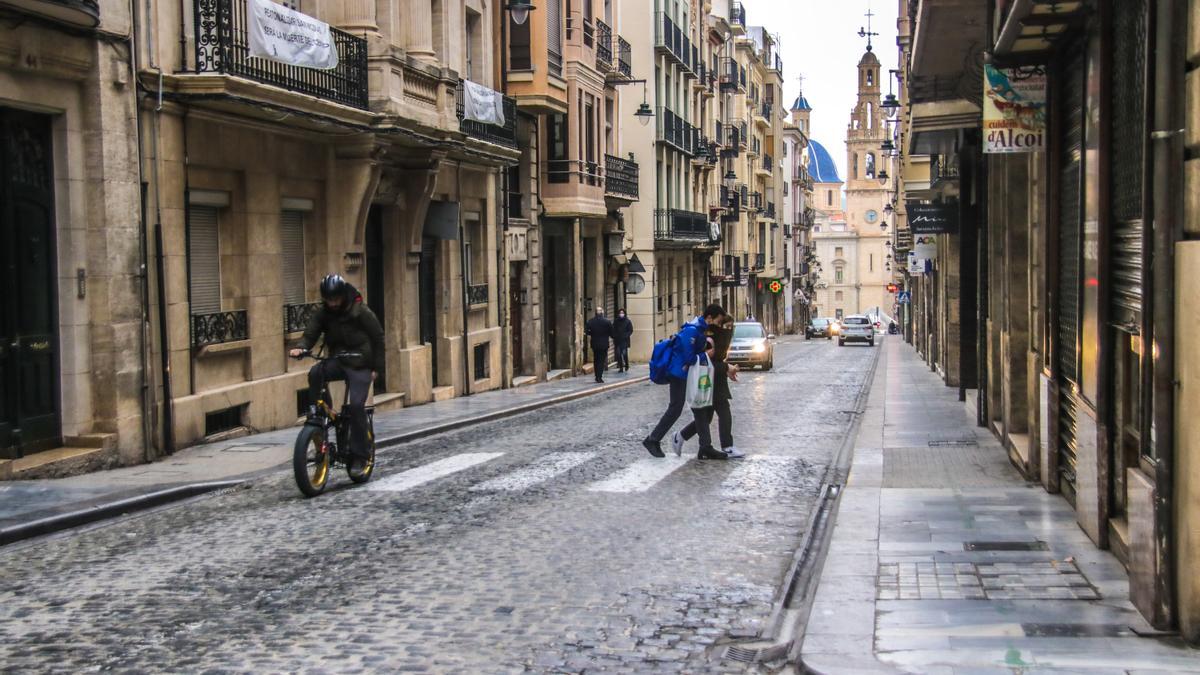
(944, 560)
(35, 507)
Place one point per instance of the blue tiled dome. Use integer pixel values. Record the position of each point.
(801, 103)
(820, 164)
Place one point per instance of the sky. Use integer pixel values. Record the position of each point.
(819, 40)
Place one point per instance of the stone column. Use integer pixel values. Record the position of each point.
(358, 16)
(418, 26)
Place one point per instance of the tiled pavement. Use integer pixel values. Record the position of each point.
(943, 560)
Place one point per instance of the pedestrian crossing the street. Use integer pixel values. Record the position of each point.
(759, 476)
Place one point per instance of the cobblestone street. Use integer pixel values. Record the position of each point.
(547, 542)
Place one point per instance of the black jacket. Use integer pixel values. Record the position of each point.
(355, 329)
(622, 331)
(600, 330)
(721, 336)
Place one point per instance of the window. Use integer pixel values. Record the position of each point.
(870, 165)
(556, 139)
(839, 276)
(291, 228)
(871, 262)
(476, 254)
(829, 197)
(474, 47)
(204, 259)
(870, 77)
(838, 252)
(854, 160)
(482, 361)
(743, 331)
(519, 46)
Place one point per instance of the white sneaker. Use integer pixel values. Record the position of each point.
(677, 444)
(733, 453)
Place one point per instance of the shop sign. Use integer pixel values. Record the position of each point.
(1014, 109)
(282, 34)
(922, 256)
(933, 218)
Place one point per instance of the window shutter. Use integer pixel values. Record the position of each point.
(204, 259)
(554, 26)
(291, 228)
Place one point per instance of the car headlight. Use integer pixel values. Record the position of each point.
(760, 348)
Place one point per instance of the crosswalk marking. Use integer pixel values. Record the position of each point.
(432, 471)
(639, 476)
(540, 470)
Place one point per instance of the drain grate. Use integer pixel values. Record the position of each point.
(954, 443)
(742, 654)
(1005, 546)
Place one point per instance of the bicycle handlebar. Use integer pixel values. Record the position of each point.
(342, 355)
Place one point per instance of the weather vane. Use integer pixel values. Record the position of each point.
(866, 32)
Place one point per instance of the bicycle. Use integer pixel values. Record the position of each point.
(316, 451)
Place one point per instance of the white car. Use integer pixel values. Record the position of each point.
(856, 328)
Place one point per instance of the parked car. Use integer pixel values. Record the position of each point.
(856, 328)
(819, 327)
(751, 346)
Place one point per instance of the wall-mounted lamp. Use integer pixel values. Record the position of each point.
(519, 10)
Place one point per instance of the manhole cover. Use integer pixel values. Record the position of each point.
(1005, 546)
(741, 654)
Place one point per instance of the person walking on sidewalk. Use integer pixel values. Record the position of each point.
(349, 327)
(600, 330)
(622, 332)
(689, 343)
(721, 335)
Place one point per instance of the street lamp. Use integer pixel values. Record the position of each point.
(519, 10)
(889, 209)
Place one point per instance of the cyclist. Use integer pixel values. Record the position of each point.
(349, 327)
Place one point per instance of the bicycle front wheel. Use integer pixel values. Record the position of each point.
(310, 461)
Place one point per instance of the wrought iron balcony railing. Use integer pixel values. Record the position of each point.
(733, 264)
(760, 261)
(681, 226)
(492, 133)
(677, 133)
(765, 110)
(220, 327)
(559, 171)
(943, 168)
(737, 14)
(770, 210)
(728, 72)
(295, 317)
(621, 177)
(755, 203)
(222, 46)
(604, 45)
(624, 57)
(477, 294)
(671, 40)
(768, 163)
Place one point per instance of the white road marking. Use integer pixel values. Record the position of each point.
(432, 471)
(639, 476)
(540, 470)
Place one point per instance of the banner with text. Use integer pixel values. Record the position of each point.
(1014, 109)
(282, 34)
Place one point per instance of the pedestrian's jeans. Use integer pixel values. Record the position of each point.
(678, 393)
(701, 419)
(724, 424)
(623, 357)
(601, 360)
(358, 380)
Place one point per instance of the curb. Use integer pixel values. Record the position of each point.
(106, 511)
(51, 524)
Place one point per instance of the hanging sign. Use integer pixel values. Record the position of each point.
(282, 34)
(934, 218)
(1014, 109)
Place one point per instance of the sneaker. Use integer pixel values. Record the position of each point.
(711, 453)
(653, 447)
(733, 452)
(677, 442)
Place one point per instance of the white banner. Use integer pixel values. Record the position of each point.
(282, 34)
(482, 104)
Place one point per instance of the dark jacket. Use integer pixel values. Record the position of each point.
(355, 329)
(721, 336)
(622, 331)
(600, 330)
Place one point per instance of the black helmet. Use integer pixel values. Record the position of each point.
(333, 286)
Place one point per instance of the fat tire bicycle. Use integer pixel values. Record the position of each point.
(324, 441)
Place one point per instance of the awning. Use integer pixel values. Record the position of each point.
(936, 127)
(1029, 29)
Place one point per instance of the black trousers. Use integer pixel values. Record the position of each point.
(724, 424)
(674, 408)
(623, 357)
(358, 382)
(600, 359)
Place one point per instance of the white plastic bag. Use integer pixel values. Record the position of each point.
(700, 384)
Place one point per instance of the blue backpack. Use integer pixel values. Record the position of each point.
(660, 360)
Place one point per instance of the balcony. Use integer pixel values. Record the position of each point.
(942, 169)
(490, 133)
(737, 18)
(755, 201)
(674, 228)
(762, 115)
(672, 41)
(765, 166)
(621, 178)
(675, 132)
(732, 203)
(222, 48)
(778, 65)
(624, 57)
(604, 45)
(760, 262)
(770, 210)
(219, 328)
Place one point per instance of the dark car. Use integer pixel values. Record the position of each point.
(819, 327)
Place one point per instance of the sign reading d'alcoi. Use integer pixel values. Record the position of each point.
(282, 34)
(1014, 109)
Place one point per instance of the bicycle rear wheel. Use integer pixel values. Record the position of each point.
(310, 461)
